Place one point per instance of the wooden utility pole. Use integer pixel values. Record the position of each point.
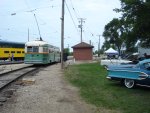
(99, 42)
(99, 45)
(62, 36)
(81, 20)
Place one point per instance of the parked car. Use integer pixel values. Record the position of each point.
(130, 76)
(108, 62)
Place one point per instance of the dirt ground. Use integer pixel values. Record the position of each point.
(49, 93)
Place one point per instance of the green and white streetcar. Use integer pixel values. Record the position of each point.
(40, 52)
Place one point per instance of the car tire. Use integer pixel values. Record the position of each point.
(129, 83)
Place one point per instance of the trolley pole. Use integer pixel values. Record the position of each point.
(62, 36)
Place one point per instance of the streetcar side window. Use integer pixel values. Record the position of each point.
(45, 49)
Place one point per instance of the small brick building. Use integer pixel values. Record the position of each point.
(83, 51)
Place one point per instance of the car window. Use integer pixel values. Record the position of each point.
(147, 65)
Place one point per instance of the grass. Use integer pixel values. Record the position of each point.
(97, 90)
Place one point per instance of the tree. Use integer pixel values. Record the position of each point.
(136, 17)
(114, 34)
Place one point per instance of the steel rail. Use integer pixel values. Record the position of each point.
(15, 75)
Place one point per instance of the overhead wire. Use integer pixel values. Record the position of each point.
(33, 11)
(71, 16)
(76, 14)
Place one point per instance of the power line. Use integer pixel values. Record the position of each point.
(71, 16)
(76, 14)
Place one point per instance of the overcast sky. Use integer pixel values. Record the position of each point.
(17, 16)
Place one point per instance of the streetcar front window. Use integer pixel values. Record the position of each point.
(29, 49)
(33, 49)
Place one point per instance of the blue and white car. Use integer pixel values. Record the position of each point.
(130, 76)
(113, 62)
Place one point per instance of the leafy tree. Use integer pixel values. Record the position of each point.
(114, 34)
(136, 17)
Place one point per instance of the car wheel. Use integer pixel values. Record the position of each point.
(129, 83)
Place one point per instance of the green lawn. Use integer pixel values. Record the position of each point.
(97, 90)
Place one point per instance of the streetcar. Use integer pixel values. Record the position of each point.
(11, 50)
(40, 52)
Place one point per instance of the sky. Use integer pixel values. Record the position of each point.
(17, 20)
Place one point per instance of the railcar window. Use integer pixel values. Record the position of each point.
(29, 49)
(12, 51)
(6, 51)
(45, 49)
(18, 51)
(11, 44)
(35, 49)
(22, 51)
(32, 49)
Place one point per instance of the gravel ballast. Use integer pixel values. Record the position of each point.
(49, 93)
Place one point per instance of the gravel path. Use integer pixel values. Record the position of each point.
(49, 94)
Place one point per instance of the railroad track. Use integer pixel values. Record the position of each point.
(9, 77)
(11, 62)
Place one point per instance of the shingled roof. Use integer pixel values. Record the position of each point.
(83, 45)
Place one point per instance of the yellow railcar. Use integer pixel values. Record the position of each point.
(11, 50)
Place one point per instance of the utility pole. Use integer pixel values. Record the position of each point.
(99, 45)
(81, 20)
(62, 36)
(90, 42)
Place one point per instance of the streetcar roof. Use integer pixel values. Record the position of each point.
(36, 43)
